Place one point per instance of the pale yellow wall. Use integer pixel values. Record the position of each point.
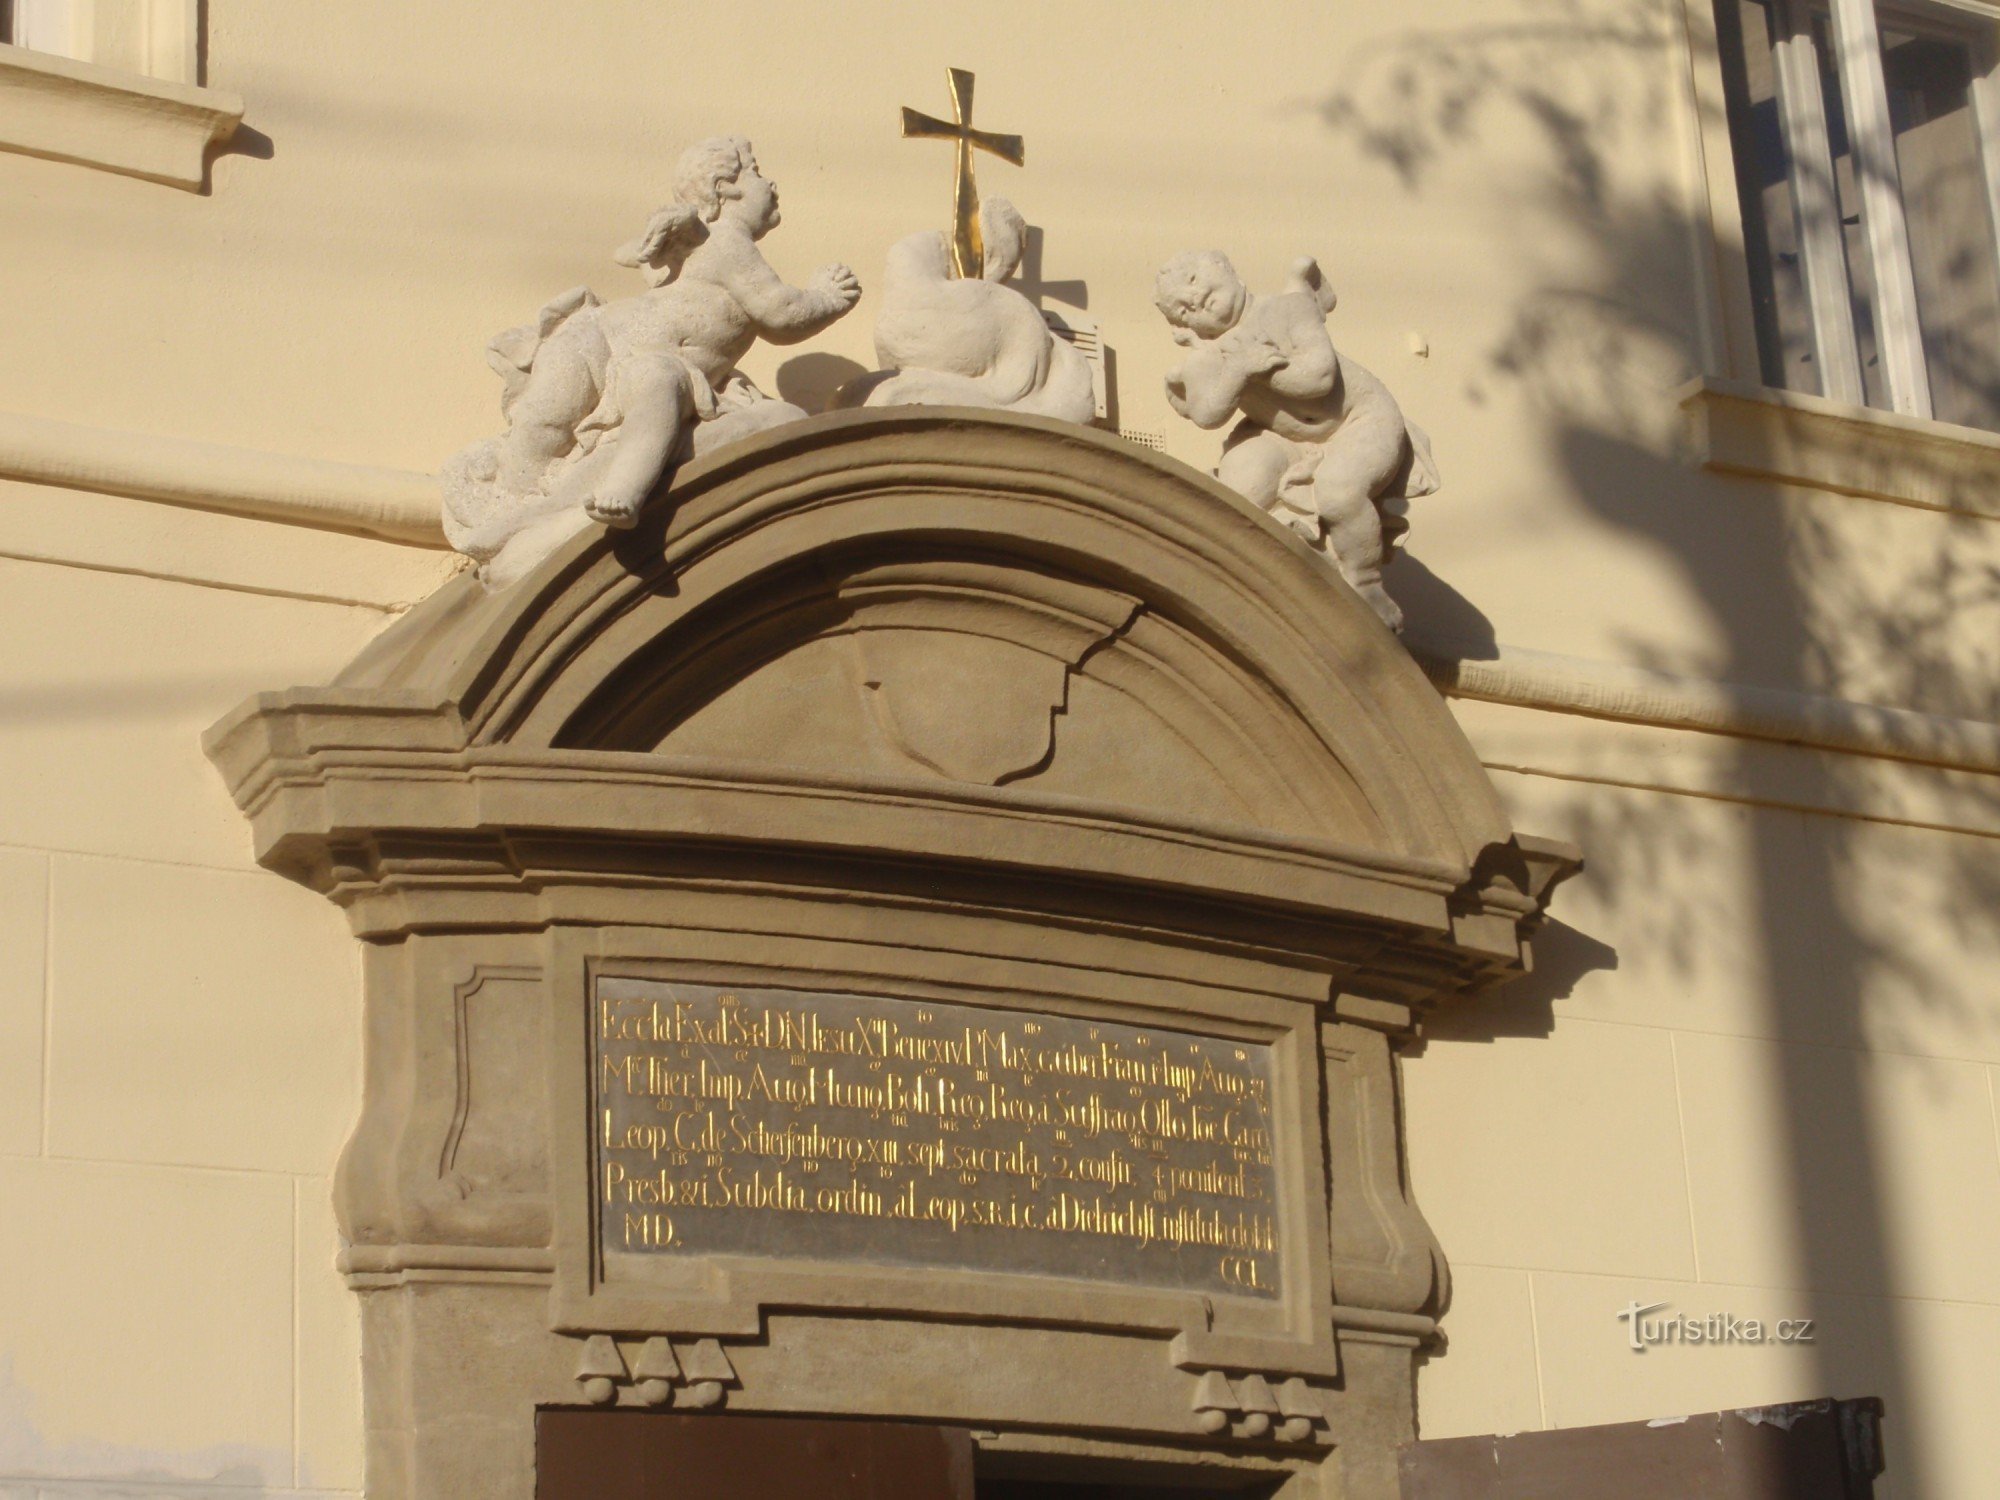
(1757, 1077)
(1767, 1081)
(179, 1047)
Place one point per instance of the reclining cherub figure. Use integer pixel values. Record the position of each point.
(969, 341)
(1322, 444)
(603, 398)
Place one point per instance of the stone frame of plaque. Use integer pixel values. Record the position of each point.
(921, 707)
(728, 1295)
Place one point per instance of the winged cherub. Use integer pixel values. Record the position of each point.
(602, 398)
(1322, 444)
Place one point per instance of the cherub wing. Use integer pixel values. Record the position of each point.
(512, 354)
(1307, 277)
(1421, 477)
(668, 237)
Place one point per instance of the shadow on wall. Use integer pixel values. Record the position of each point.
(1591, 358)
(1525, 1007)
(1439, 620)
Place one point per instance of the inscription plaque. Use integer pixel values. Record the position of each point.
(840, 1127)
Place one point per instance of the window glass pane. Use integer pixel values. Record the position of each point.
(1746, 31)
(1949, 209)
(61, 27)
(1847, 199)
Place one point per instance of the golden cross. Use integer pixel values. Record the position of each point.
(968, 246)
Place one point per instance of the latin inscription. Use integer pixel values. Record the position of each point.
(842, 1127)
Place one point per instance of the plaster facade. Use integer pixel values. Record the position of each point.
(1745, 662)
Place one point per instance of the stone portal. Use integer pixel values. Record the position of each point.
(918, 930)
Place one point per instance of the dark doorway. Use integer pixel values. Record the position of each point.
(1014, 1489)
(635, 1455)
(1023, 1476)
(638, 1455)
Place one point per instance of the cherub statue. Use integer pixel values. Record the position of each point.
(1322, 444)
(947, 341)
(603, 398)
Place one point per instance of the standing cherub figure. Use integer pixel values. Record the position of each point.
(603, 398)
(1322, 445)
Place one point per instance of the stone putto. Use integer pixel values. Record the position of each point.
(944, 340)
(1322, 445)
(602, 399)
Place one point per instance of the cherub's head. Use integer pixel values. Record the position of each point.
(721, 171)
(1200, 291)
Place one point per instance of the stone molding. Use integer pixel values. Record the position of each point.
(1735, 427)
(478, 746)
(1636, 695)
(1385, 1257)
(392, 504)
(105, 117)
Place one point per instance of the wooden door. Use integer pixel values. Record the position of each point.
(636, 1455)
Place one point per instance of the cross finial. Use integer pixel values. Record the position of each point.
(968, 248)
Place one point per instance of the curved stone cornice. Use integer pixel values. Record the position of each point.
(909, 640)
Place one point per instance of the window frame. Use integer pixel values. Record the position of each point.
(1856, 35)
(119, 122)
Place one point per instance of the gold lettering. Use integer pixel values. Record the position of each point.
(959, 1130)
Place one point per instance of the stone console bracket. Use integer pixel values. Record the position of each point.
(697, 1379)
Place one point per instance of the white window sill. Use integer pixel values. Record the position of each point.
(104, 117)
(1738, 428)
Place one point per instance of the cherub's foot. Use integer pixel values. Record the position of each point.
(614, 508)
(1378, 600)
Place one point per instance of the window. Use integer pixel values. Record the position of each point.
(111, 84)
(1864, 137)
(156, 38)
